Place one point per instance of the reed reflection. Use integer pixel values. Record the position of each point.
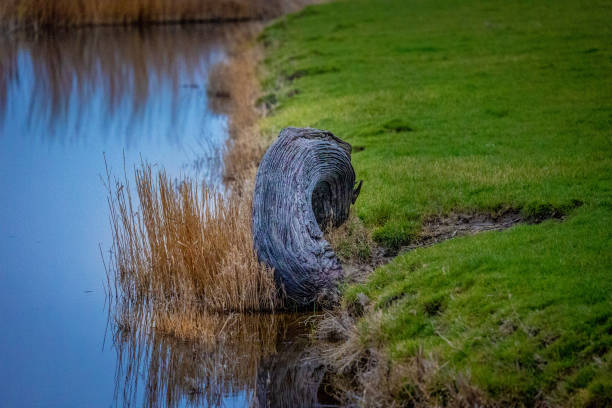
(127, 83)
(239, 359)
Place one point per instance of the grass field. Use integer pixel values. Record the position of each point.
(472, 107)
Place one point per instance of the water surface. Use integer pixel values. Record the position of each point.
(65, 100)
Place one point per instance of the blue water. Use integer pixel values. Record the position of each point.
(68, 100)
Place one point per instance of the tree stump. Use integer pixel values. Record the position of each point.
(305, 183)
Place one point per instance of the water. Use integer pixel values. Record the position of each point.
(66, 100)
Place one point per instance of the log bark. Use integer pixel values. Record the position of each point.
(305, 182)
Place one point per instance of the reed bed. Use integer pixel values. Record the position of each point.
(65, 13)
(180, 250)
(233, 90)
(127, 65)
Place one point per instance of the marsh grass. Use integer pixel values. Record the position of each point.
(233, 90)
(182, 251)
(64, 13)
(179, 250)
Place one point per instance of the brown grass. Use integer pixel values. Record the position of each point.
(179, 251)
(352, 241)
(125, 64)
(233, 90)
(364, 375)
(183, 251)
(64, 13)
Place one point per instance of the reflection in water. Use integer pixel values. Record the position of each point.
(241, 360)
(115, 79)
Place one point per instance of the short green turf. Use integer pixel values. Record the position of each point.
(473, 106)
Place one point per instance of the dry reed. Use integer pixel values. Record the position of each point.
(123, 68)
(233, 91)
(63, 13)
(185, 250)
(180, 251)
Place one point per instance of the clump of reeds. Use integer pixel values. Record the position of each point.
(180, 250)
(64, 13)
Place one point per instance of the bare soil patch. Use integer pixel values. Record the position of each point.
(440, 228)
(435, 230)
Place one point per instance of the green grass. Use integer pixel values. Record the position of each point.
(525, 310)
(473, 106)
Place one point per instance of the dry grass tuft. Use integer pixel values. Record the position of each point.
(185, 250)
(365, 376)
(352, 241)
(179, 251)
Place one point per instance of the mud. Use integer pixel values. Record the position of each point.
(435, 230)
(438, 229)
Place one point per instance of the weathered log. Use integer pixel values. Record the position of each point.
(304, 184)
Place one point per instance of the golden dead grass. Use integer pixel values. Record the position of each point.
(180, 250)
(352, 241)
(233, 90)
(63, 13)
(128, 65)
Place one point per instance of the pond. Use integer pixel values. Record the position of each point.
(69, 102)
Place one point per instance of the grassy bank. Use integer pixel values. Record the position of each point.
(471, 107)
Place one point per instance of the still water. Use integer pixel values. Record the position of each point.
(68, 100)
